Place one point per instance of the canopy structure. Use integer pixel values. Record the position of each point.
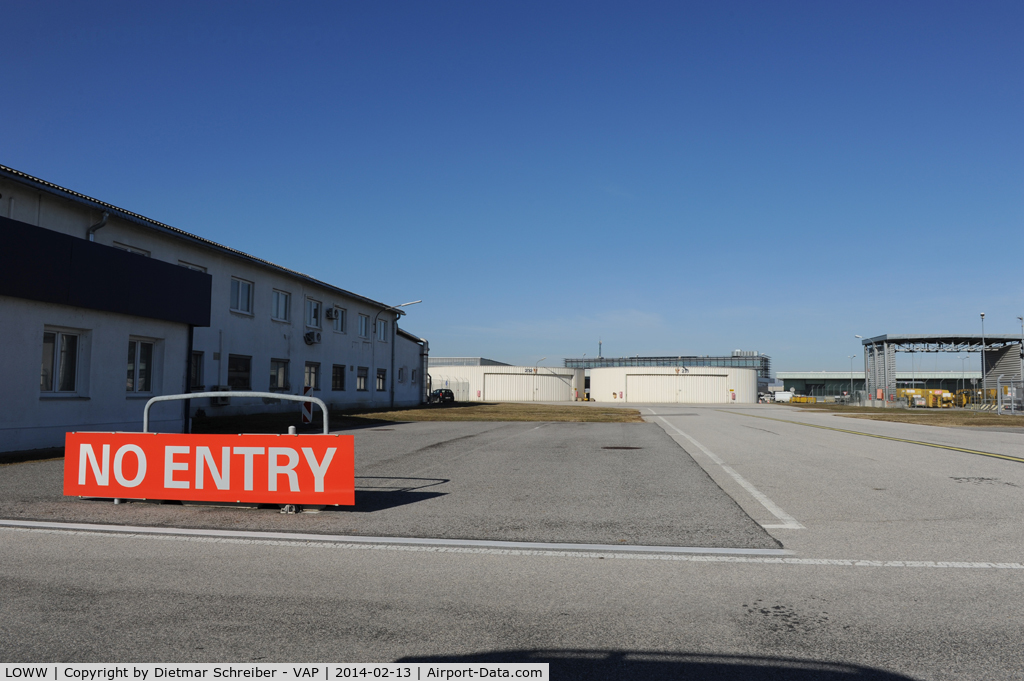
(1002, 356)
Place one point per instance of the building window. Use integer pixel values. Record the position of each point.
(312, 375)
(280, 305)
(401, 375)
(241, 295)
(191, 266)
(413, 378)
(361, 377)
(382, 330)
(382, 380)
(279, 374)
(60, 362)
(339, 319)
(338, 377)
(313, 313)
(130, 249)
(196, 371)
(140, 367)
(239, 372)
(364, 326)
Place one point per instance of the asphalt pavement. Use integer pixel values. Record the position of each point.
(907, 559)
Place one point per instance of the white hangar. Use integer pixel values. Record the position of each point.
(674, 385)
(478, 379)
(120, 308)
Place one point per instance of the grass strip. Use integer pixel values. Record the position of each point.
(950, 418)
(278, 422)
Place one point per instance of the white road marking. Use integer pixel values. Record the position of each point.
(614, 555)
(788, 521)
(412, 541)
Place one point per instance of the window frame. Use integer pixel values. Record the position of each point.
(362, 379)
(136, 363)
(382, 331)
(382, 381)
(276, 295)
(192, 266)
(248, 384)
(340, 321)
(196, 371)
(315, 366)
(57, 363)
(283, 364)
(131, 249)
(401, 374)
(232, 298)
(336, 371)
(364, 326)
(314, 304)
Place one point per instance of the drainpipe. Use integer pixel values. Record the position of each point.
(90, 234)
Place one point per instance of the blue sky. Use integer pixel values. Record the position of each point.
(673, 178)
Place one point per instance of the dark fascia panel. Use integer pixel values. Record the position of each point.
(40, 264)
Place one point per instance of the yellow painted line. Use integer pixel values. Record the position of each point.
(884, 437)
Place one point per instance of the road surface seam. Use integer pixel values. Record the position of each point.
(411, 541)
(788, 521)
(614, 555)
(883, 437)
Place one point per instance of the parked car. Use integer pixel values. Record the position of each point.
(441, 395)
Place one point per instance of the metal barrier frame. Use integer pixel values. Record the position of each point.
(234, 393)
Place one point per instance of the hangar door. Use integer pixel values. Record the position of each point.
(527, 388)
(681, 388)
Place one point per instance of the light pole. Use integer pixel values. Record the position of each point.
(963, 371)
(866, 392)
(851, 376)
(984, 383)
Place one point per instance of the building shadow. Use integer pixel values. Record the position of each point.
(623, 665)
(375, 493)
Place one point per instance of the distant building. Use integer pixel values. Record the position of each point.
(839, 382)
(739, 359)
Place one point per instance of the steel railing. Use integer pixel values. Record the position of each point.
(233, 393)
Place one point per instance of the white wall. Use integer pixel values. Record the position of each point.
(254, 335)
(658, 385)
(33, 419)
(409, 389)
(512, 384)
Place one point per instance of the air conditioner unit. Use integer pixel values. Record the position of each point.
(220, 401)
(311, 337)
(332, 313)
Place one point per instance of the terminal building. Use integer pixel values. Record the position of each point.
(104, 308)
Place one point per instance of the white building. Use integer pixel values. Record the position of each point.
(196, 314)
(674, 385)
(502, 383)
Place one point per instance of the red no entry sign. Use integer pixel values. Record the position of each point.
(266, 469)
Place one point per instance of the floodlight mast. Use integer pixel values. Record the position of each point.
(984, 383)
